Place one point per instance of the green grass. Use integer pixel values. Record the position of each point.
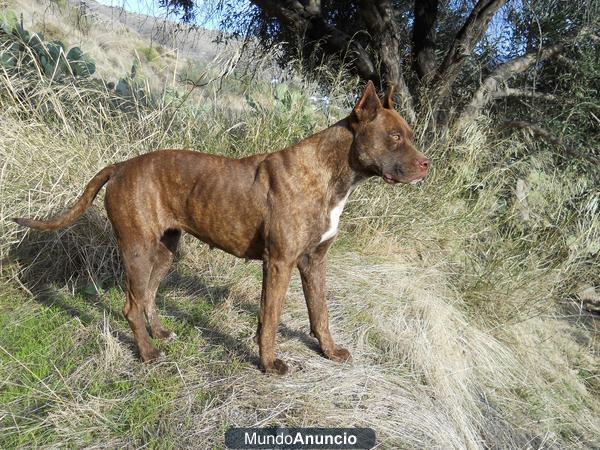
(148, 54)
(56, 361)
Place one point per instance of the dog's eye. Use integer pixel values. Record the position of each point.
(396, 137)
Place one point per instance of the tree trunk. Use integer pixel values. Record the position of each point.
(385, 36)
(423, 37)
(464, 42)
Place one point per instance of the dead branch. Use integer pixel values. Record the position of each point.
(547, 136)
(513, 92)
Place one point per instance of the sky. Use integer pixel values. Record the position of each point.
(151, 8)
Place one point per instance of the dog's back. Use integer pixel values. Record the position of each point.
(220, 200)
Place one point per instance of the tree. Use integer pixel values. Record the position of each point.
(441, 56)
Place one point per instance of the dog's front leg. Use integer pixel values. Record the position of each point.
(276, 277)
(312, 273)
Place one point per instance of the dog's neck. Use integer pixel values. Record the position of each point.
(335, 153)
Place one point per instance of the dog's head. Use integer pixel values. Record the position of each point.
(383, 141)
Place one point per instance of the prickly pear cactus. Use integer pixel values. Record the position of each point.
(123, 88)
(36, 43)
(54, 62)
(11, 48)
(21, 33)
(10, 56)
(24, 50)
(81, 65)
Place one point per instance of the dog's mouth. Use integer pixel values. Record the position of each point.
(391, 179)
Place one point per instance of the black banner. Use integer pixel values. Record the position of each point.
(300, 438)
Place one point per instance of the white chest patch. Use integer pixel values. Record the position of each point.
(334, 218)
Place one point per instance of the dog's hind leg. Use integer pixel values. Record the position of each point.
(138, 266)
(162, 262)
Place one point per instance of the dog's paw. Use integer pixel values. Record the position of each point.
(153, 356)
(339, 354)
(164, 335)
(278, 367)
(172, 336)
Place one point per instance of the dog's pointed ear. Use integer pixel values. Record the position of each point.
(368, 106)
(388, 100)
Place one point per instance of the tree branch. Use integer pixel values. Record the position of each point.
(307, 20)
(464, 42)
(491, 86)
(512, 92)
(423, 37)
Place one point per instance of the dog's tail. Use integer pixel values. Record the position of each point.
(70, 216)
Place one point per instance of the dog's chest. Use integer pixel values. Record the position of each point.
(334, 218)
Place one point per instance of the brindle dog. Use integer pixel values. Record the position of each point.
(282, 208)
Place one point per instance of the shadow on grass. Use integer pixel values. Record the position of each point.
(286, 331)
(45, 267)
(49, 262)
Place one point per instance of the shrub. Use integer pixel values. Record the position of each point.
(148, 54)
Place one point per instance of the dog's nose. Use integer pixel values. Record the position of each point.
(424, 163)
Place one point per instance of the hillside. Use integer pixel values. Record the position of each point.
(115, 37)
(193, 42)
(466, 301)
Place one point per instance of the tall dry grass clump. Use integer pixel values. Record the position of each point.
(457, 297)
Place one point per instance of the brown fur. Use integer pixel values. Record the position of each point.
(273, 207)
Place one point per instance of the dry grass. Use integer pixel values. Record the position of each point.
(455, 298)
